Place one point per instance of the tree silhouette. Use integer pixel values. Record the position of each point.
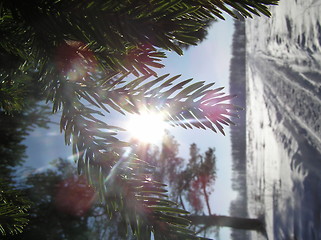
(14, 127)
(63, 206)
(191, 181)
(238, 132)
(92, 56)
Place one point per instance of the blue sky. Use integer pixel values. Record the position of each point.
(207, 62)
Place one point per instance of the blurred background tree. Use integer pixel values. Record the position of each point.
(191, 182)
(64, 206)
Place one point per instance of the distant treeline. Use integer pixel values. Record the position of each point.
(238, 207)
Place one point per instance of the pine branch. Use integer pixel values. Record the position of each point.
(13, 210)
(124, 35)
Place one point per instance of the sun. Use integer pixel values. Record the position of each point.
(147, 127)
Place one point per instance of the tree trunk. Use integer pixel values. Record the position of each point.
(207, 200)
(226, 221)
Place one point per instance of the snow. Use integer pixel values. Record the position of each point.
(283, 120)
(292, 35)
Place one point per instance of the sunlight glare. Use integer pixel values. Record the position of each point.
(147, 127)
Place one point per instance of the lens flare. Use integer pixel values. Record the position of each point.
(75, 60)
(74, 196)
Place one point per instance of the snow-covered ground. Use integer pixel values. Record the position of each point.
(284, 120)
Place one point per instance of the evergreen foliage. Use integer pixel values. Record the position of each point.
(13, 130)
(13, 210)
(62, 206)
(88, 57)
